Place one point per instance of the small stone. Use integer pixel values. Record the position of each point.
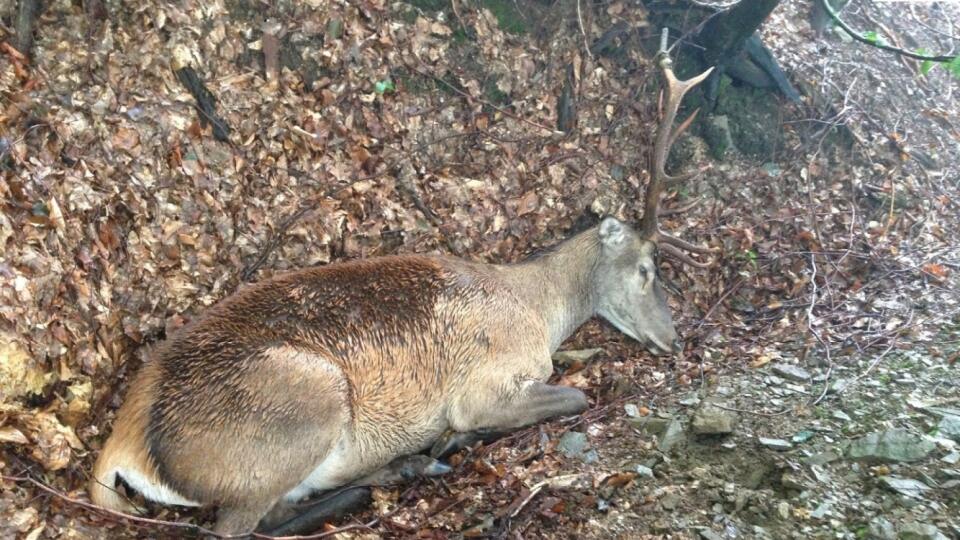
(712, 420)
(672, 436)
(838, 386)
(670, 501)
(791, 372)
(881, 529)
(776, 444)
(690, 400)
(643, 470)
(334, 28)
(822, 458)
(708, 534)
(783, 510)
(907, 487)
(951, 459)
(890, 446)
(920, 531)
(567, 358)
(572, 444)
(821, 510)
(802, 437)
(650, 425)
(840, 415)
(632, 410)
(790, 480)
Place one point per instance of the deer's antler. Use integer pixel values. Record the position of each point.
(665, 137)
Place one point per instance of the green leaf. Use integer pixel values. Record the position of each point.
(926, 65)
(953, 66)
(384, 86)
(871, 36)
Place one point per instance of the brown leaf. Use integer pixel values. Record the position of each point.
(527, 203)
(125, 139)
(938, 271)
(10, 434)
(619, 479)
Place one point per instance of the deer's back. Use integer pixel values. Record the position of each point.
(402, 333)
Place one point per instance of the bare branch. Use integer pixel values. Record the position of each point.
(944, 58)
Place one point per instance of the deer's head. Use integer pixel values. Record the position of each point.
(629, 291)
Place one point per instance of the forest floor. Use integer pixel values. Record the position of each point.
(817, 395)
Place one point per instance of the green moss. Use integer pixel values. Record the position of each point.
(429, 5)
(754, 116)
(509, 18)
(493, 94)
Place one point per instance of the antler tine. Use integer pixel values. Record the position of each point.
(666, 135)
(669, 239)
(684, 258)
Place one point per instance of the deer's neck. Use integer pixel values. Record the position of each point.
(559, 284)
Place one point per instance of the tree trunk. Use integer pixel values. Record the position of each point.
(725, 34)
(27, 12)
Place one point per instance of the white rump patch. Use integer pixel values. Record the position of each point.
(328, 475)
(156, 492)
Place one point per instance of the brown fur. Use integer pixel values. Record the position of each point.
(354, 363)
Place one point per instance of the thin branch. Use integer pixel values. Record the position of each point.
(862, 39)
(196, 529)
(583, 31)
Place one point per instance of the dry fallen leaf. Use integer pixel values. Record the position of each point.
(10, 434)
(52, 440)
(938, 271)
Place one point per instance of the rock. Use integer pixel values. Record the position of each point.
(712, 420)
(822, 458)
(650, 425)
(890, 446)
(672, 436)
(791, 372)
(920, 531)
(776, 444)
(690, 400)
(821, 510)
(840, 415)
(951, 459)
(783, 510)
(708, 534)
(632, 410)
(881, 529)
(907, 487)
(573, 444)
(670, 501)
(643, 470)
(791, 480)
(949, 426)
(718, 136)
(566, 358)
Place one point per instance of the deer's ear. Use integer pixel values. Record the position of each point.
(612, 232)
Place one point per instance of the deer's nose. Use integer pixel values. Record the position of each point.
(677, 345)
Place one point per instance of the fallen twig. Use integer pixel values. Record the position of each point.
(196, 529)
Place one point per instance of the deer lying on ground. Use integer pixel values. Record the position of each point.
(312, 379)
